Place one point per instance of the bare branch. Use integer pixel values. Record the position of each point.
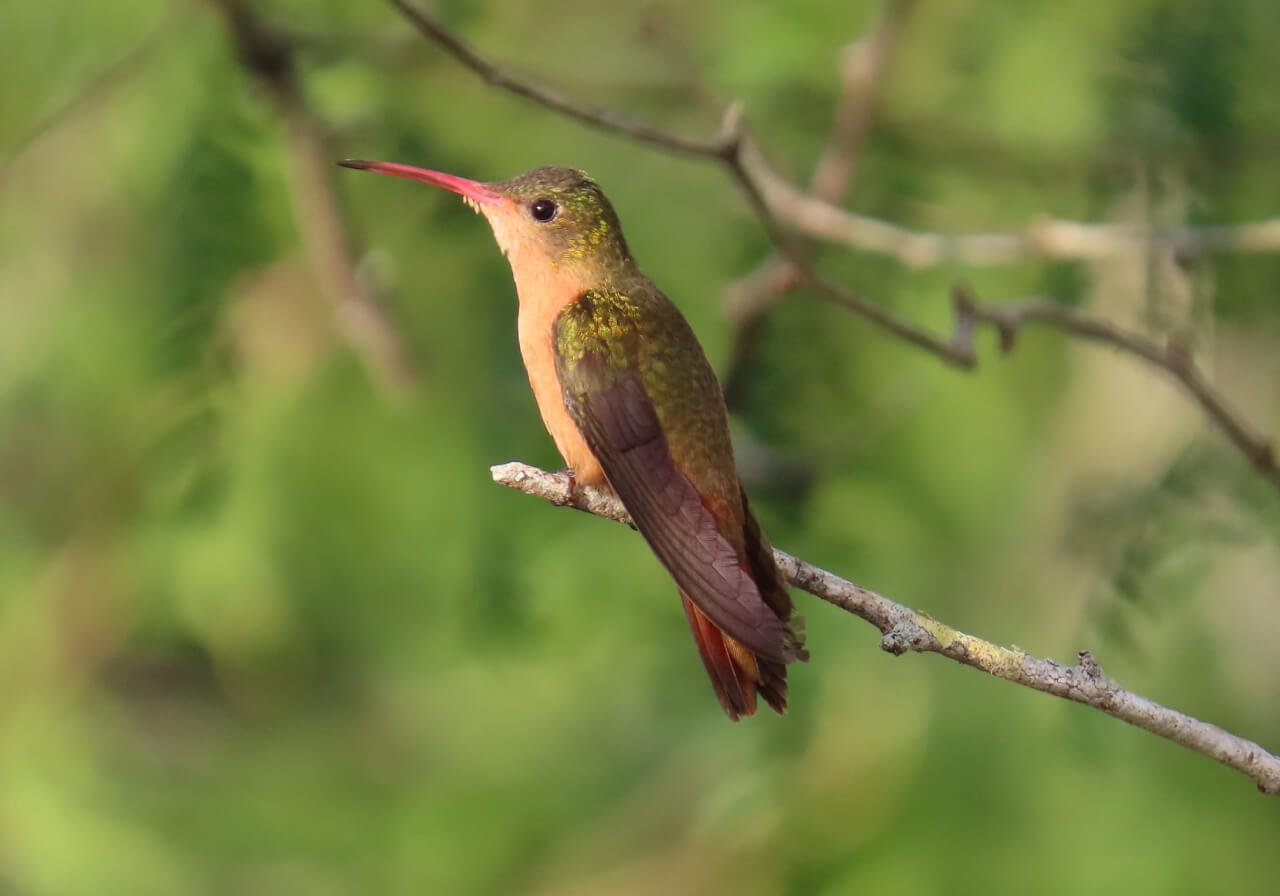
(862, 63)
(268, 55)
(953, 352)
(1045, 238)
(747, 303)
(435, 31)
(1172, 357)
(904, 629)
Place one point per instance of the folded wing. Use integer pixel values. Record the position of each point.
(606, 396)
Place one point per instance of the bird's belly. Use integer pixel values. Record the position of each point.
(539, 363)
(577, 455)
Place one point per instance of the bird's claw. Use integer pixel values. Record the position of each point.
(571, 492)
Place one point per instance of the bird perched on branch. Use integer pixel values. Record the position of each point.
(631, 402)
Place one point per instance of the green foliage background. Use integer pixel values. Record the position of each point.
(265, 629)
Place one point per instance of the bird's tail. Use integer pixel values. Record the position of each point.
(736, 673)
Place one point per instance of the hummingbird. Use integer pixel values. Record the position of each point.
(632, 404)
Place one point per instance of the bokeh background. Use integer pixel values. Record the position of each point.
(266, 626)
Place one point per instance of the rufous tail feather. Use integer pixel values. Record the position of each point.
(736, 673)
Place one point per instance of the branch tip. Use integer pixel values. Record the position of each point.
(731, 134)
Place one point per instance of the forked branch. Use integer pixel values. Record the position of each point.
(1172, 357)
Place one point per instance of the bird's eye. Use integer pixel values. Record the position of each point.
(543, 210)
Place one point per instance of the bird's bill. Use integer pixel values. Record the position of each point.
(471, 190)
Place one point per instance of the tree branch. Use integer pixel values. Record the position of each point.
(863, 63)
(1045, 238)
(268, 56)
(435, 31)
(1172, 357)
(904, 629)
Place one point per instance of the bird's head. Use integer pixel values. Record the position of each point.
(556, 217)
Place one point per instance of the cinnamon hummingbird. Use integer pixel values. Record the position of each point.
(631, 402)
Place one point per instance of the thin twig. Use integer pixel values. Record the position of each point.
(904, 629)
(951, 351)
(268, 55)
(1045, 238)
(863, 63)
(1173, 357)
(493, 74)
(747, 303)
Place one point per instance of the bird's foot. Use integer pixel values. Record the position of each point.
(570, 496)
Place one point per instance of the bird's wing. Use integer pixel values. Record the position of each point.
(606, 396)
